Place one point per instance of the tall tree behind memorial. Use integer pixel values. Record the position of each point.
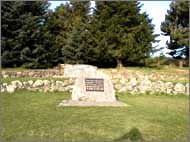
(76, 41)
(68, 26)
(122, 32)
(58, 25)
(176, 25)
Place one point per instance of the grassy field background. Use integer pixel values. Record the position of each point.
(28, 115)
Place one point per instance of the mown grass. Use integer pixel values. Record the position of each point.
(35, 116)
(14, 69)
(162, 70)
(22, 69)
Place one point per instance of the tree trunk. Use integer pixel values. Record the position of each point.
(119, 64)
(158, 62)
(180, 64)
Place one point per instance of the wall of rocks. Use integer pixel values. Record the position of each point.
(38, 85)
(131, 82)
(142, 85)
(132, 85)
(32, 73)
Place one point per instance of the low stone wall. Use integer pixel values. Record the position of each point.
(140, 85)
(32, 73)
(38, 85)
(133, 85)
(123, 81)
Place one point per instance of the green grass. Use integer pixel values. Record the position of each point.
(22, 69)
(162, 70)
(14, 69)
(35, 116)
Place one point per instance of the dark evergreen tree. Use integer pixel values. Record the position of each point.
(36, 38)
(176, 25)
(10, 25)
(26, 43)
(60, 27)
(76, 39)
(122, 33)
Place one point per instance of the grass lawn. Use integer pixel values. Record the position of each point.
(28, 115)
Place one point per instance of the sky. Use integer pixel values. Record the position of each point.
(156, 11)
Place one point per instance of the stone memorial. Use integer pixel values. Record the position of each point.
(92, 89)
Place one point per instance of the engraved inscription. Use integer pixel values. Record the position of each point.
(94, 84)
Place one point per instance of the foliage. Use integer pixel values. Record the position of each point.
(176, 25)
(35, 37)
(9, 27)
(122, 32)
(24, 40)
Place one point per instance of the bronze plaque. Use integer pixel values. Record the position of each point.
(94, 84)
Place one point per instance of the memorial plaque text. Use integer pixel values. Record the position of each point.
(94, 84)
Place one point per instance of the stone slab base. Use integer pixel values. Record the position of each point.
(86, 104)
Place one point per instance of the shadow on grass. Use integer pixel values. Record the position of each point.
(133, 135)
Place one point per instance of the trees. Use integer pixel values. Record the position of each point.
(68, 26)
(76, 42)
(123, 33)
(23, 35)
(176, 26)
(9, 27)
(58, 26)
(116, 33)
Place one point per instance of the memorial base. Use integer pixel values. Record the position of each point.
(89, 103)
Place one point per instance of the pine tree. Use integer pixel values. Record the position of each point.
(34, 53)
(10, 29)
(76, 40)
(122, 33)
(59, 27)
(68, 25)
(25, 44)
(176, 26)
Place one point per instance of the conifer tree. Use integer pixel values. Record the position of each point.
(25, 43)
(10, 55)
(176, 25)
(75, 48)
(122, 32)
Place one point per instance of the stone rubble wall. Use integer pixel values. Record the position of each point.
(32, 73)
(143, 85)
(38, 85)
(123, 82)
(133, 85)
